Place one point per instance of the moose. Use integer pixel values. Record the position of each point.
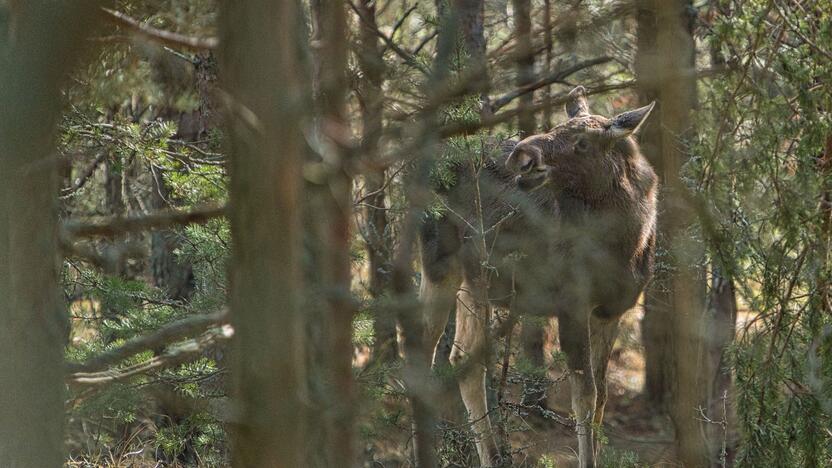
(559, 224)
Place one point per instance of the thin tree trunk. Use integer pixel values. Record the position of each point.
(688, 367)
(525, 63)
(377, 225)
(655, 324)
(722, 321)
(547, 64)
(259, 64)
(470, 16)
(48, 39)
(170, 274)
(329, 37)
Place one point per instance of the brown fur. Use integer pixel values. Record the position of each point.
(578, 204)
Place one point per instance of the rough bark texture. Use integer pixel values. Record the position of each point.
(48, 38)
(259, 65)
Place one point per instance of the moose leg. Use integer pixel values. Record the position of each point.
(603, 333)
(437, 294)
(574, 341)
(470, 341)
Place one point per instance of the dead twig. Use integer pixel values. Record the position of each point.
(159, 36)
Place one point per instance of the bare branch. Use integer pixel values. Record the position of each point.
(160, 220)
(405, 55)
(553, 77)
(468, 127)
(159, 36)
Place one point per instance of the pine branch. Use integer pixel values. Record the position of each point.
(161, 337)
(181, 353)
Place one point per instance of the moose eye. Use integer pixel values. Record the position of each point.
(581, 145)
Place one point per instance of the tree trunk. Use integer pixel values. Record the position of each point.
(525, 63)
(469, 14)
(259, 64)
(722, 321)
(171, 275)
(377, 225)
(688, 366)
(48, 39)
(547, 63)
(329, 37)
(655, 324)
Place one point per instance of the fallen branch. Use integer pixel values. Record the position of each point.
(161, 337)
(159, 36)
(161, 220)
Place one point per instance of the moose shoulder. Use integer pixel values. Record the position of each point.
(561, 223)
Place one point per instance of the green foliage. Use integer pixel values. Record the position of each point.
(761, 134)
(611, 458)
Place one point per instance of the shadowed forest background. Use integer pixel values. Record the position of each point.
(209, 219)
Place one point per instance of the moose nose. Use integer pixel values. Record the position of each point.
(520, 161)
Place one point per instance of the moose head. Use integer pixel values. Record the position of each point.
(580, 155)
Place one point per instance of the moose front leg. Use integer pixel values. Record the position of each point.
(575, 343)
(469, 343)
(603, 333)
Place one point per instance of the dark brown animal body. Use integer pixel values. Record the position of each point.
(563, 224)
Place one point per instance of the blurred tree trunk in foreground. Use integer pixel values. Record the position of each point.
(330, 46)
(48, 38)
(687, 367)
(655, 325)
(259, 65)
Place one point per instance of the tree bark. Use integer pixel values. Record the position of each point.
(259, 64)
(547, 63)
(722, 322)
(469, 15)
(377, 225)
(330, 40)
(48, 39)
(688, 367)
(655, 324)
(525, 63)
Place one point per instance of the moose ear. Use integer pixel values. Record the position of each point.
(629, 122)
(576, 102)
